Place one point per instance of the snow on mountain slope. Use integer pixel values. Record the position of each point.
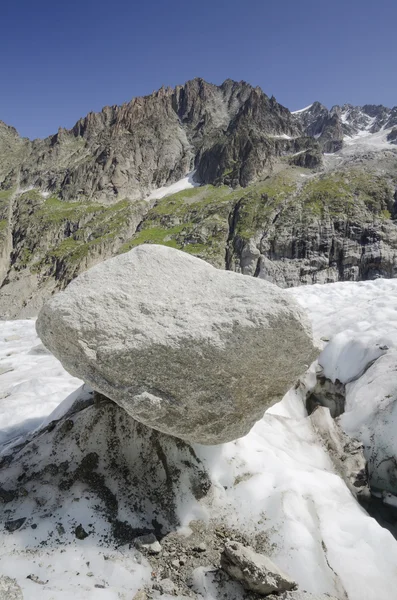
(278, 480)
(185, 183)
(348, 130)
(301, 110)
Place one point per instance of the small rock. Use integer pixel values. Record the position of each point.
(256, 572)
(200, 547)
(34, 578)
(166, 586)
(7, 495)
(9, 589)
(149, 543)
(175, 563)
(14, 525)
(80, 532)
(140, 595)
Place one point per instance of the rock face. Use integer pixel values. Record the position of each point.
(254, 571)
(347, 454)
(184, 348)
(228, 132)
(392, 136)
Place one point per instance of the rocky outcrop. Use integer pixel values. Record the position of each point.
(256, 572)
(126, 151)
(336, 227)
(184, 348)
(392, 136)
(346, 454)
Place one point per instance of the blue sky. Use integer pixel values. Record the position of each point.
(60, 60)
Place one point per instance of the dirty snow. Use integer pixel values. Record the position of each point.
(360, 319)
(278, 479)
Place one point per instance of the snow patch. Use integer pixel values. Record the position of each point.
(282, 136)
(185, 183)
(33, 381)
(301, 110)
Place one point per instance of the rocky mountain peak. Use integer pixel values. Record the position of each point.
(152, 141)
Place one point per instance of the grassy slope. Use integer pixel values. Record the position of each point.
(201, 221)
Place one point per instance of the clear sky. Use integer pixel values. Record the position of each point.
(61, 59)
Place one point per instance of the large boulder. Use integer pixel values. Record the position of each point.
(184, 348)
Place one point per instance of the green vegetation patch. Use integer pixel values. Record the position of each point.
(348, 194)
(194, 220)
(106, 224)
(260, 203)
(55, 211)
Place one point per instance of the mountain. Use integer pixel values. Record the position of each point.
(125, 151)
(295, 198)
(331, 127)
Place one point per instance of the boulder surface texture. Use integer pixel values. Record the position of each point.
(184, 348)
(255, 572)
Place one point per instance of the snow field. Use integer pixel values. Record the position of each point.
(277, 482)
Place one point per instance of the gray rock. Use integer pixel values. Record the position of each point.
(347, 454)
(254, 571)
(9, 589)
(392, 136)
(184, 348)
(80, 532)
(166, 586)
(301, 595)
(149, 543)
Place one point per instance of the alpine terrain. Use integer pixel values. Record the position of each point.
(183, 417)
(222, 172)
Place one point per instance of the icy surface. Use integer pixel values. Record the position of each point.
(277, 481)
(33, 382)
(365, 141)
(361, 320)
